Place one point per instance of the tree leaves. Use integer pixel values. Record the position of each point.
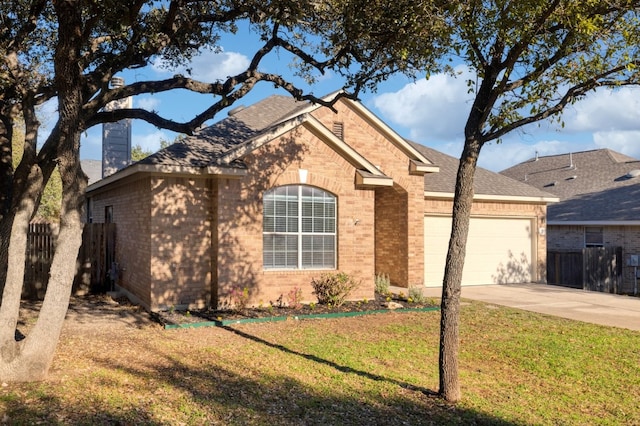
(540, 56)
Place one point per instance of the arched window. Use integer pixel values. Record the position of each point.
(299, 228)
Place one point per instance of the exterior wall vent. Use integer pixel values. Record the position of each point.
(338, 129)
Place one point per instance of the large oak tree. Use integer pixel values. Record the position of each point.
(69, 50)
(532, 59)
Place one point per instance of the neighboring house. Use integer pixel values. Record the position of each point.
(600, 202)
(282, 191)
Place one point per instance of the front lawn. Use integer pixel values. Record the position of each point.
(516, 368)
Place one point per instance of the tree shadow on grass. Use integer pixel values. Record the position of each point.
(173, 388)
(228, 377)
(341, 368)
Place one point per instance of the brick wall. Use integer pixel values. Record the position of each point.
(130, 201)
(180, 242)
(239, 226)
(565, 237)
(399, 227)
(163, 241)
(391, 231)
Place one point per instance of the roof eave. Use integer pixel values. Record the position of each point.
(594, 222)
(317, 128)
(420, 168)
(489, 197)
(365, 180)
(225, 172)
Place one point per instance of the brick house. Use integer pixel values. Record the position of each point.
(282, 191)
(599, 202)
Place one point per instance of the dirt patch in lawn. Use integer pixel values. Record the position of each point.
(91, 314)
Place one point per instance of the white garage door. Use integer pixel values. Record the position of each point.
(499, 250)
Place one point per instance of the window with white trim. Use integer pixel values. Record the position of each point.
(593, 236)
(299, 228)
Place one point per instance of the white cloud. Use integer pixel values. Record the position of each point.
(605, 110)
(433, 109)
(149, 103)
(625, 142)
(209, 66)
(149, 141)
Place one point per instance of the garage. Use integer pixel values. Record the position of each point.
(499, 250)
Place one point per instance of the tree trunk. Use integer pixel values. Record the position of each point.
(6, 190)
(451, 286)
(30, 359)
(19, 225)
(6, 165)
(27, 184)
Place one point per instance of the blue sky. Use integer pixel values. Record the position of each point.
(431, 112)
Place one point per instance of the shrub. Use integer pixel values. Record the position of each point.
(240, 298)
(333, 288)
(294, 298)
(415, 295)
(382, 283)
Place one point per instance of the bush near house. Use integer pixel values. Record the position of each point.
(333, 288)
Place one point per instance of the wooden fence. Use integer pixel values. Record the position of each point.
(41, 243)
(95, 258)
(592, 268)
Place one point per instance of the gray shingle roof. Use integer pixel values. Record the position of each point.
(617, 204)
(486, 182)
(592, 185)
(207, 146)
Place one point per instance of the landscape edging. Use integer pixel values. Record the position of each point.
(225, 323)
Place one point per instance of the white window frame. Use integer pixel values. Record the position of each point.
(296, 233)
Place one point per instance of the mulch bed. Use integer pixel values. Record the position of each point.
(225, 316)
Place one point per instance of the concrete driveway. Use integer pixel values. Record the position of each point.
(597, 308)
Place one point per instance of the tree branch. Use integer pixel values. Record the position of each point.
(570, 96)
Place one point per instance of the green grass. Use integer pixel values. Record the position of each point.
(517, 368)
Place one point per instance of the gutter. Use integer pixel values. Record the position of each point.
(488, 197)
(594, 222)
(228, 172)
